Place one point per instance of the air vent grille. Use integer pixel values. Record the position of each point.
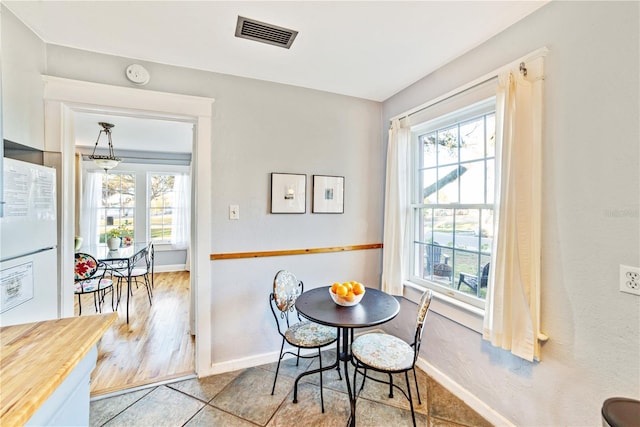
(266, 33)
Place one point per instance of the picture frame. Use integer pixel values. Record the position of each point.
(328, 194)
(288, 193)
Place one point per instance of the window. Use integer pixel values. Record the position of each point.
(452, 201)
(140, 204)
(117, 205)
(161, 206)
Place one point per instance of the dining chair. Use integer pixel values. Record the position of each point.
(89, 278)
(140, 274)
(300, 334)
(151, 263)
(389, 354)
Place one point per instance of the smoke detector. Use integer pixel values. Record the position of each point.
(137, 74)
(265, 33)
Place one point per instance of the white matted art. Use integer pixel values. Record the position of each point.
(288, 193)
(328, 194)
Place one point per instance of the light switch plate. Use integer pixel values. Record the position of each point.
(234, 212)
(630, 279)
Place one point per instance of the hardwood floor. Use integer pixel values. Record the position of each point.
(155, 346)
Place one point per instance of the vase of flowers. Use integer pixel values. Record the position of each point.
(113, 243)
(119, 236)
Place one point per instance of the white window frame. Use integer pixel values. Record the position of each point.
(149, 174)
(142, 173)
(477, 109)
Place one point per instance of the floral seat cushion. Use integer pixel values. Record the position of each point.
(382, 351)
(92, 285)
(138, 271)
(309, 334)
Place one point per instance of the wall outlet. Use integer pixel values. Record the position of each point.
(630, 279)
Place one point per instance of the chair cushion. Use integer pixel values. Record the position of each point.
(135, 272)
(310, 334)
(92, 285)
(382, 351)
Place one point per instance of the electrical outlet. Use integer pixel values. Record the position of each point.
(630, 279)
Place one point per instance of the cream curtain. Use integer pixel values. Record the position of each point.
(180, 230)
(396, 209)
(512, 313)
(91, 200)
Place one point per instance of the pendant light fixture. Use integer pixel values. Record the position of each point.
(109, 161)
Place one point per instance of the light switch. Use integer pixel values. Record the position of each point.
(234, 212)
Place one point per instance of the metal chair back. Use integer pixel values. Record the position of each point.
(423, 309)
(286, 290)
(85, 267)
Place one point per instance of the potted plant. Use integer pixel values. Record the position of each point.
(119, 235)
(113, 239)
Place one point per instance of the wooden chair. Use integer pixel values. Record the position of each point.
(471, 280)
(294, 331)
(390, 355)
(89, 278)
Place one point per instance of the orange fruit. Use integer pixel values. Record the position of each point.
(358, 288)
(334, 287)
(350, 296)
(348, 285)
(341, 290)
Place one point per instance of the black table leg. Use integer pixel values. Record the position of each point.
(345, 356)
(315, 371)
(128, 286)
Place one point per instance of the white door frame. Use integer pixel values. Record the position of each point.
(62, 98)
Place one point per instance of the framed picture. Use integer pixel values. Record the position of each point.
(328, 194)
(288, 193)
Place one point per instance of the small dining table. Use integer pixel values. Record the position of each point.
(375, 308)
(123, 258)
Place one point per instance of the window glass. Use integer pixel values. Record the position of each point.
(117, 207)
(453, 206)
(161, 206)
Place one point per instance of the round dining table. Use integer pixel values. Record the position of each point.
(375, 308)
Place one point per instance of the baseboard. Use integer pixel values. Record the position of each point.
(168, 268)
(257, 360)
(249, 362)
(463, 394)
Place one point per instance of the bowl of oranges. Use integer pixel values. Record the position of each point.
(347, 293)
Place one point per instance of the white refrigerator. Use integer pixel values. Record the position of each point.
(28, 237)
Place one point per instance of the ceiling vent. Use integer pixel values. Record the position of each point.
(266, 33)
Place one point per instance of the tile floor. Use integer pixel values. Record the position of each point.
(243, 398)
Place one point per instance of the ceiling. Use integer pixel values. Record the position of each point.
(134, 133)
(365, 49)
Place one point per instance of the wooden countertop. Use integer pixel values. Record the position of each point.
(35, 358)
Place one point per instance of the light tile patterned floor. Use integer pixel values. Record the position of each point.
(243, 398)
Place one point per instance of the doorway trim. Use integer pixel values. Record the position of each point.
(61, 98)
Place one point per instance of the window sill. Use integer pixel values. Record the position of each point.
(465, 314)
(164, 247)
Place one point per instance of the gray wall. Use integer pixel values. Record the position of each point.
(590, 214)
(259, 128)
(23, 63)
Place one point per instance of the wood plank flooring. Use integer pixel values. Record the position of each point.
(155, 346)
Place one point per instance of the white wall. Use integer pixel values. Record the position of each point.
(23, 62)
(259, 128)
(591, 192)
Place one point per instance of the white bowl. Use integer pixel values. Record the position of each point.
(343, 301)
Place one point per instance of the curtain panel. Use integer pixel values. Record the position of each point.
(396, 210)
(91, 200)
(181, 214)
(512, 312)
